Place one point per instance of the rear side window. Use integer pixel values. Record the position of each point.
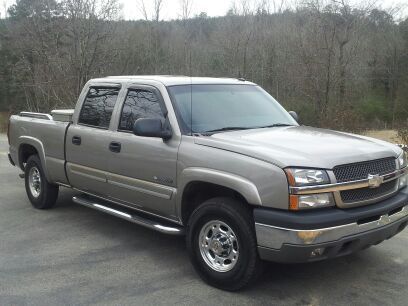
(139, 103)
(98, 107)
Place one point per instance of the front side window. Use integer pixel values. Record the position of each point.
(98, 107)
(139, 103)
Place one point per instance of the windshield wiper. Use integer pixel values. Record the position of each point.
(229, 128)
(275, 125)
(236, 128)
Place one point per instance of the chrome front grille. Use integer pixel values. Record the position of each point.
(362, 194)
(360, 171)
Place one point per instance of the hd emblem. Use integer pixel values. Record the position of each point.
(163, 180)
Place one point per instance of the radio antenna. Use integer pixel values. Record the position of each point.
(191, 96)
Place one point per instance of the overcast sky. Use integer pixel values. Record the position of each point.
(171, 8)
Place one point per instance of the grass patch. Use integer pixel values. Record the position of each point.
(4, 116)
(387, 135)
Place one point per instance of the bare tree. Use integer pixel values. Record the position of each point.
(186, 7)
(150, 13)
(143, 10)
(158, 5)
(324, 58)
(88, 31)
(5, 5)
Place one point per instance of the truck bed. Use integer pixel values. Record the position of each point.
(44, 134)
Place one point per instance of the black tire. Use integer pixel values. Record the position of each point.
(239, 218)
(48, 193)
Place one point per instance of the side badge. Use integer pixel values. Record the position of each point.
(163, 180)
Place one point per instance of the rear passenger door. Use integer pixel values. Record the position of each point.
(143, 173)
(88, 140)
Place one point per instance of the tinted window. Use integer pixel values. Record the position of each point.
(139, 104)
(98, 106)
(203, 108)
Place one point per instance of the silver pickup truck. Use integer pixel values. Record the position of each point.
(219, 161)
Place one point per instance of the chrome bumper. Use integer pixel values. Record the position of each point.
(274, 237)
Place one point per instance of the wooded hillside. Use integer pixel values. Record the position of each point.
(336, 65)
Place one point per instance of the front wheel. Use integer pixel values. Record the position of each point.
(222, 244)
(40, 192)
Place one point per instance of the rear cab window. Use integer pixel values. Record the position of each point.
(98, 107)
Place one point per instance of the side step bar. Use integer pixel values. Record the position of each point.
(129, 215)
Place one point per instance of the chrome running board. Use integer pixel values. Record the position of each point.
(128, 214)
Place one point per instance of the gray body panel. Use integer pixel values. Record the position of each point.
(232, 170)
(302, 146)
(47, 137)
(87, 163)
(144, 173)
(151, 174)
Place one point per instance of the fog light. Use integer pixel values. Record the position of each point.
(317, 252)
(308, 237)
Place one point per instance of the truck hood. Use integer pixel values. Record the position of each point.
(301, 146)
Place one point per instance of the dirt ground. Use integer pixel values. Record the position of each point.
(3, 121)
(387, 135)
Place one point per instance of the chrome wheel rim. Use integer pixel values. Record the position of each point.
(34, 182)
(218, 246)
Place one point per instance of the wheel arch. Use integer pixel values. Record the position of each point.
(29, 146)
(200, 184)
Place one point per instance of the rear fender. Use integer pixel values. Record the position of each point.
(37, 144)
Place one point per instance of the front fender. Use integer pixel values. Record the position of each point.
(241, 185)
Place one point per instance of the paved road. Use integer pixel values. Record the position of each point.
(74, 255)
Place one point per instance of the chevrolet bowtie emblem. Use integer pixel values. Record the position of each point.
(374, 180)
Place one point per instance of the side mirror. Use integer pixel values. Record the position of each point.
(151, 127)
(294, 115)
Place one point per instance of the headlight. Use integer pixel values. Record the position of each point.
(305, 177)
(308, 177)
(403, 160)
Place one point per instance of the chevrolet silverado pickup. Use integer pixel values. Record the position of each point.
(219, 161)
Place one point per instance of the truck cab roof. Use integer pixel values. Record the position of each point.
(172, 80)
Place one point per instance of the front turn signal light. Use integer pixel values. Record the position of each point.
(310, 201)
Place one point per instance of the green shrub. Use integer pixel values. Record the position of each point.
(374, 108)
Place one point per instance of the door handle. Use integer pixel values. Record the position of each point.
(76, 140)
(115, 146)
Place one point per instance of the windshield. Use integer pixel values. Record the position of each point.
(213, 108)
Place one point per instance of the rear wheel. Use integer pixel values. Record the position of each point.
(40, 192)
(222, 244)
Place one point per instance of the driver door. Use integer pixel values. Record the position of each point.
(143, 172)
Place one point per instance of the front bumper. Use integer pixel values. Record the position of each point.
(309, 236)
